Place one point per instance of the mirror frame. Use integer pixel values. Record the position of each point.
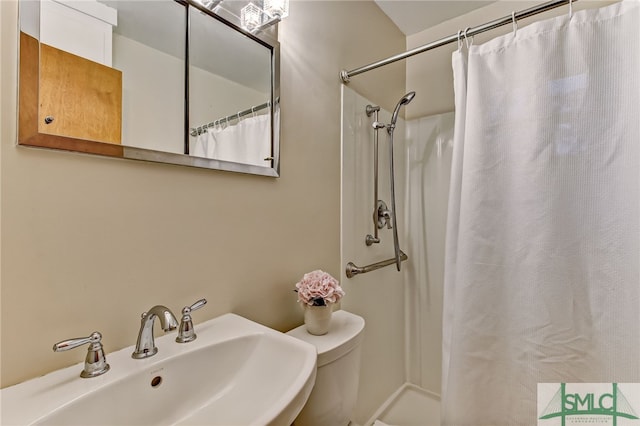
(28, 134)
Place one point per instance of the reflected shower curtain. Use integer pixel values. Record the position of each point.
(542, 278)
(247, 142)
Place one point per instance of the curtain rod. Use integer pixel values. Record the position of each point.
(346, 75)
(196, 131)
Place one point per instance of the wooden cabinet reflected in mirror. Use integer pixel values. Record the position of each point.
(68, 102)
(127, 96)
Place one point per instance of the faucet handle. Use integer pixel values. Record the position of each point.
(186, 333)
(199, 304)
(95, 363)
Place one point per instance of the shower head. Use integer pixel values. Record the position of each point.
(403, 101)
(407, 98)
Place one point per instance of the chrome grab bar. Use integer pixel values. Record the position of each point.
(373, 239)
(353, 270)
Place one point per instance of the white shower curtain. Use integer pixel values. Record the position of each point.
(542, 280)
(247, 142)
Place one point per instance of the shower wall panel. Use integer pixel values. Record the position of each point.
(377, 296)
(428, 150)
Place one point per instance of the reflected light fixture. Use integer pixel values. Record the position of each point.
(251, 17)
(255, 16)
(276, 8)
(210, 4)
(254, 19)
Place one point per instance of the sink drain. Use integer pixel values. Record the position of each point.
(156, 381)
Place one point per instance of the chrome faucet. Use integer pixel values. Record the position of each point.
(145, 346)
(95, 362)
(186, 333)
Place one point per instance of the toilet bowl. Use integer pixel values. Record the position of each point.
(334, 394)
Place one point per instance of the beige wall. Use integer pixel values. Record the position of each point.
(89, 243)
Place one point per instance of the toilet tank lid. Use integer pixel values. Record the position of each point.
(345, 333)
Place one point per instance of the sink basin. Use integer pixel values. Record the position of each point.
(237, 372)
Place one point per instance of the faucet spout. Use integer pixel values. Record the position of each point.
(145, 345)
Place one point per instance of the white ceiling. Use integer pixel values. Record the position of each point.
(413, 16)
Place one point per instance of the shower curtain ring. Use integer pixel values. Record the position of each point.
(459, 40)
(515, 22)
(570, 9)
(466, 39)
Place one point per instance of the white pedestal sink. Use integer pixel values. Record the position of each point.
(237, 372)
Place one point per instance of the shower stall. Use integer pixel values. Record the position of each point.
(539, 228)
(400, 312)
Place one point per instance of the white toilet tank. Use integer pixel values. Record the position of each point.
(333, 397)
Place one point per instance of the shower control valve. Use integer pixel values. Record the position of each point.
(382, 216)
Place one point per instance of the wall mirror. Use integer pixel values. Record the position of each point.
(167, 81)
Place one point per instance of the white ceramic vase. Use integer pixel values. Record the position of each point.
(317, 319)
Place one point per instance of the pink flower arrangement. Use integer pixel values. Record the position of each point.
(318, 288)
